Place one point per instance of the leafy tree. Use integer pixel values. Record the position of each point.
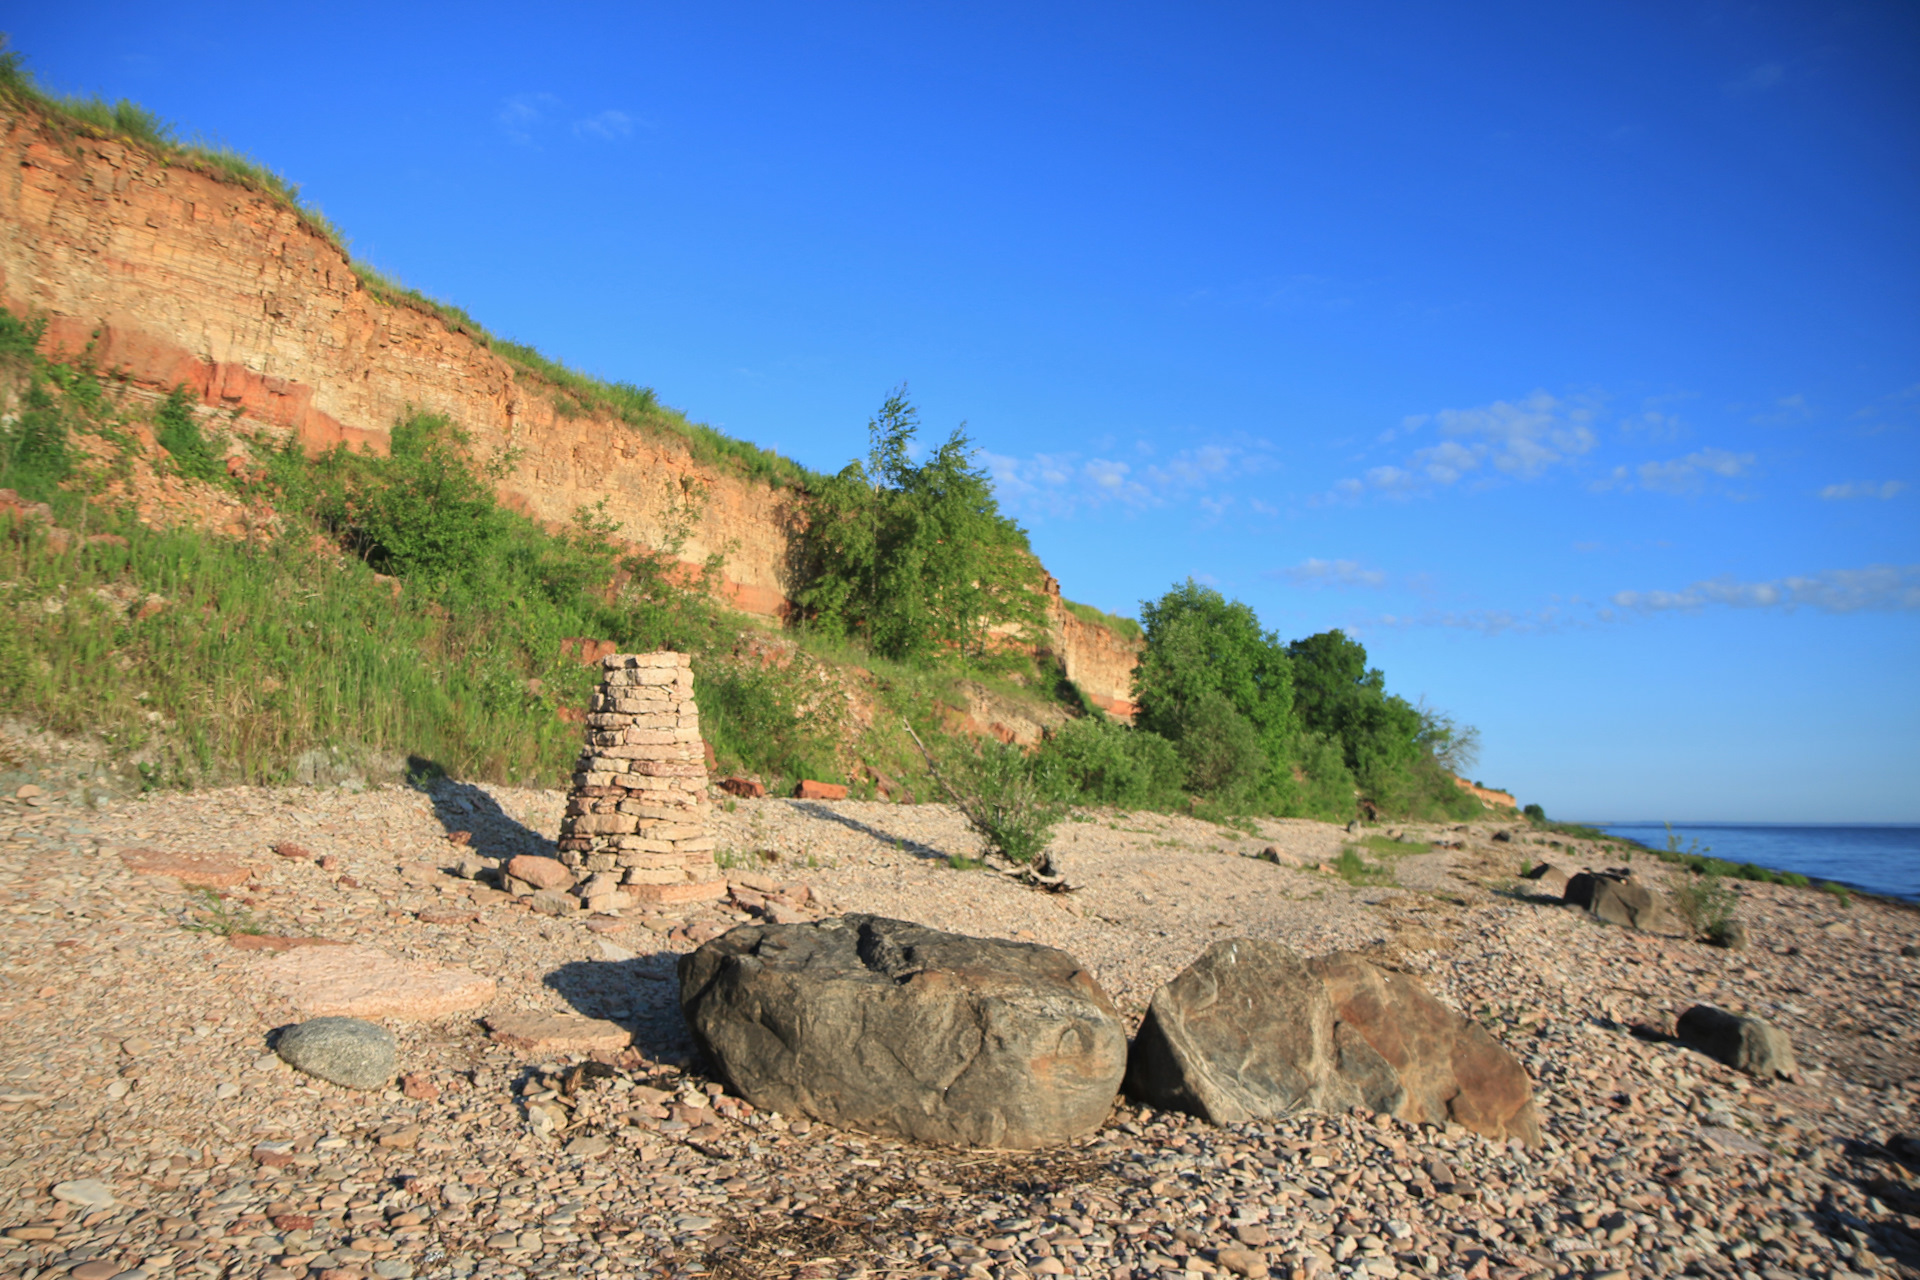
(915, 560)
(1395, 751)
(1218, 687)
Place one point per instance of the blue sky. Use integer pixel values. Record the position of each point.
(1569, 355)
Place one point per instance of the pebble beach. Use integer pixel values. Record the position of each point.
(147, 1129)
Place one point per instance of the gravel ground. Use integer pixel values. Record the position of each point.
(134, 1052)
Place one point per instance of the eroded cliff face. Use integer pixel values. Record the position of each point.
(172, 276)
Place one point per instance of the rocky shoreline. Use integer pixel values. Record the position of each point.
(146, 1127)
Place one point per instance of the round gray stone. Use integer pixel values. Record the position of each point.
(345, 1051)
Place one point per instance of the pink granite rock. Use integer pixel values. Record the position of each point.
(365, 982)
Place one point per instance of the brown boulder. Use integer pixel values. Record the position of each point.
(1618, 897)
(893, 1028)
(541, 873)
(811, 790)
(745, 788)
(1250, 1031)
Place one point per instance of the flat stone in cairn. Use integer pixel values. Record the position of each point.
(365, 982)
(639, 804)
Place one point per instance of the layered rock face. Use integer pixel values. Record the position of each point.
(638, 807)
(170, 276)
(889, 1027)
(1251, 1031)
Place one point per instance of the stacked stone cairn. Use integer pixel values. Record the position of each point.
(637, 816)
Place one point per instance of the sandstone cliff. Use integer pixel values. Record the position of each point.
(174, 276)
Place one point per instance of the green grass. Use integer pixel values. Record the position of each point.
(1357, 871)
(208, 912)
(1121, 626)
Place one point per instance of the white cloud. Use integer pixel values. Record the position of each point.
(1491, 622)
(1063, 484)
(608, 126)
(1518, 439)
(1844, 492)
(1677, 475)
(1833, 591)
(1314, 572)
(519, 115)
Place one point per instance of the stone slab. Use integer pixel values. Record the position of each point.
(359, 981)
(200, 870)
(558, 1033)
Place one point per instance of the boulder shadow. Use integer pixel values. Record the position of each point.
(814, 809)
(461, 806)
(641, 995)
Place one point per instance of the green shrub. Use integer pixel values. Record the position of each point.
(1099, 762)
(1534, 813)
(34, 453)
(177, 429)
(753, 719)
(1126, 628)
(1706, 903)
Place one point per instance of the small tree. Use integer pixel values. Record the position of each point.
(915, 560)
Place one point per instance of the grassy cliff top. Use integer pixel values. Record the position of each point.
(572, 392)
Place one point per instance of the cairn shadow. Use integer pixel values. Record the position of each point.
(461, 806)
(641, 994)
(813, 809)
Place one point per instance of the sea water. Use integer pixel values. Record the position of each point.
(1879, 859)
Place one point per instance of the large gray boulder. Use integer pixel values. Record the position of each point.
(1621, 898)
(1251, 1031)
(345, 1051)
(893, 1028)
(1742, 1041)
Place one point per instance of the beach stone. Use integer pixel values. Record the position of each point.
(90, 1192)
(349, 1052)
(894, 1028)
(472, 866)
(196, 870)
(1742, 1041)
(1620, 899)
(554, 1033)
(359, 981)
(552, 902)
(1251, 1031)
(541, 873)
(1549, 879)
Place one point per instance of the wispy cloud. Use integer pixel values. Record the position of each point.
(1876, 587)
(1758, 79)
(1896, 410)
(1787, 411)
(1065, 484)
(608, 126)
(525, 116)
(1314, 572)
(1490, 622)
(1883, 491)
(521, 114)
(1513, 439)
(1677, 475)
